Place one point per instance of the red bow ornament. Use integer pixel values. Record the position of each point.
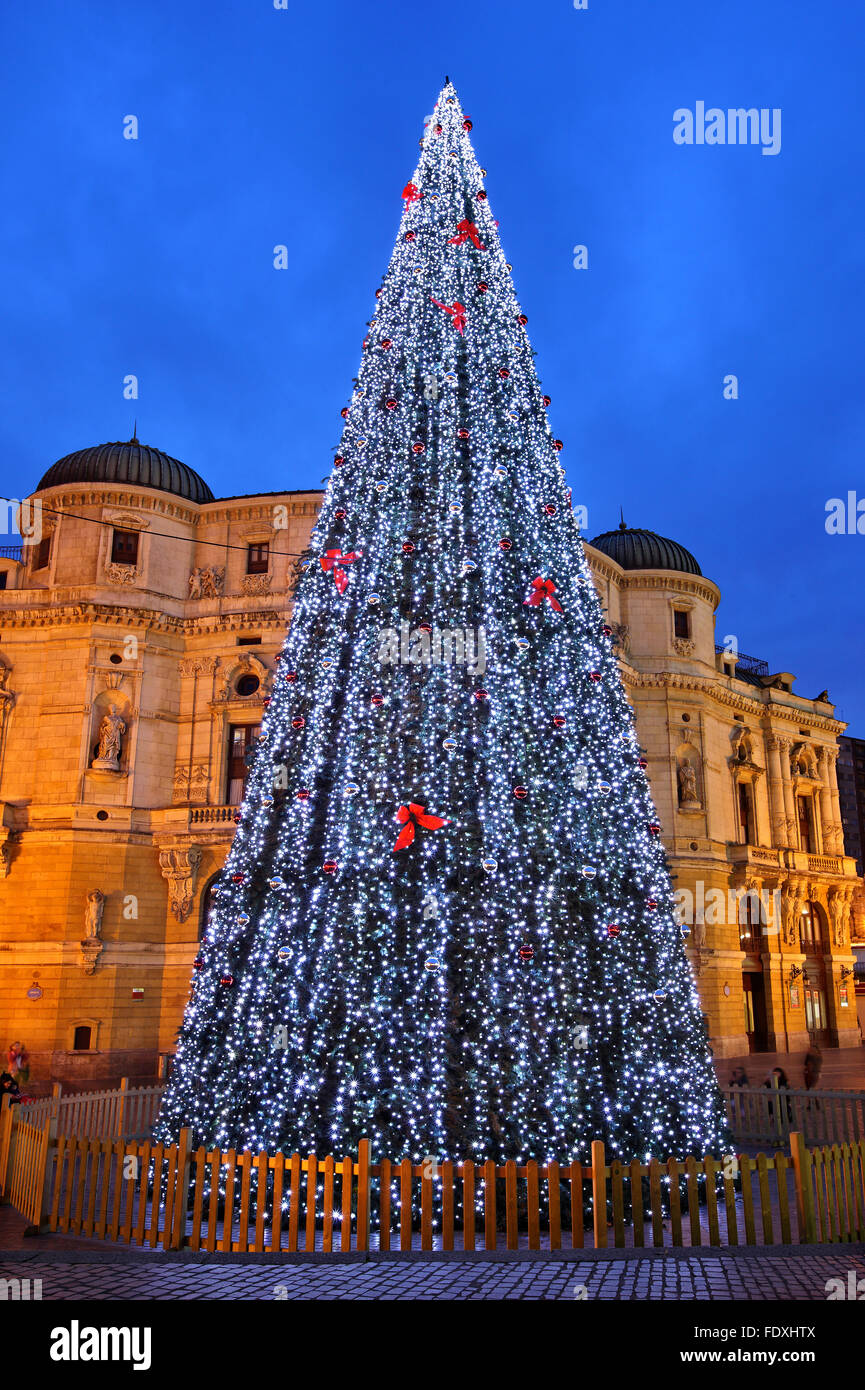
(412, 193)
(411, 816)
(334, 560)
(543, 589)
(457, 312)
(466, 231)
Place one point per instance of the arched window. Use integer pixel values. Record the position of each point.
(81, 1038)
(208, 901)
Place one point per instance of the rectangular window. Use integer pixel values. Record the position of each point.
(746, 815)
(258, 558)
(124, 548)
(805, 828)
(681, 622)
(43, 553)
(249, 641)
(241, 738)
(4, 575)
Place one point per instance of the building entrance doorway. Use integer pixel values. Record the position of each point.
(755, 1010)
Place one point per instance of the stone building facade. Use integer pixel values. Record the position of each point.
(138, 639)
(744, 775)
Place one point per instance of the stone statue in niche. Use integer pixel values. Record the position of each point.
(111, 730)
(93, 910)
(688, 794)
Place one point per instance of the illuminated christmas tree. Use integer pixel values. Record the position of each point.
(446, 921)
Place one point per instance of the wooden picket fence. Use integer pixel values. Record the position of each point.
(769, 1115)
(146, 1194)
(124, 1113)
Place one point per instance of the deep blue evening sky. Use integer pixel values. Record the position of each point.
(260, 126)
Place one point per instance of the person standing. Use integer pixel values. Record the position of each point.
(813, 1066)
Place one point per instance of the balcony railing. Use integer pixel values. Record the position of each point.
(747, 663)
(11, 552)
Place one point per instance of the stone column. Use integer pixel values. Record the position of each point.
(827, 812)
(776, 794)
(789, 801)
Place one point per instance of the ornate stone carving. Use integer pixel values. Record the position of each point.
(93, 910)
(111, 730)
(180, 868)
(197, 665)
(684, 646)
(622, 636)
(91, 949)
(255, 584)
(207, 582)
(122, 574)
(687, 778)
(91, 945)
(190, 784)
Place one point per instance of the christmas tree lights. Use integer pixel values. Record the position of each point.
(446, 921)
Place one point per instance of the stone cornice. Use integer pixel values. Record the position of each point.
(69, 496)
(125, 615)
(721, 695)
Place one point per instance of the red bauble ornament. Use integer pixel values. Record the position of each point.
(548, 400)
(482, 286)
(607, 631)
(651, 902)
(291, 675)
(377, 700)
(505, 543)
(481, 695)
(408, 547)
(329, 866)
(338, 461)
(237, 818)
(467, 125)
(386, 343)
(417, 447)
(462, 432)
(391, 403)
(344, 412)
(526, 952)
(340, 514)
(410, 236)
(303, 794)
(481, 195)
(550, 508)
(520, 793)
(298, 723)
(238, 878)
(378, 294)
(504, 373)
(558, 721)
(438, 130)
(226, 980)
(654, 828)
(558, 445)
(594, 675)
(266, 701)
(198, 963)
(613, 929)
(521, 318)
(643, 763)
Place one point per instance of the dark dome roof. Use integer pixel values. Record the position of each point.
(128, 462)
(644, 550)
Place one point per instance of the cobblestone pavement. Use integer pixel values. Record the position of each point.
(705, 1276)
